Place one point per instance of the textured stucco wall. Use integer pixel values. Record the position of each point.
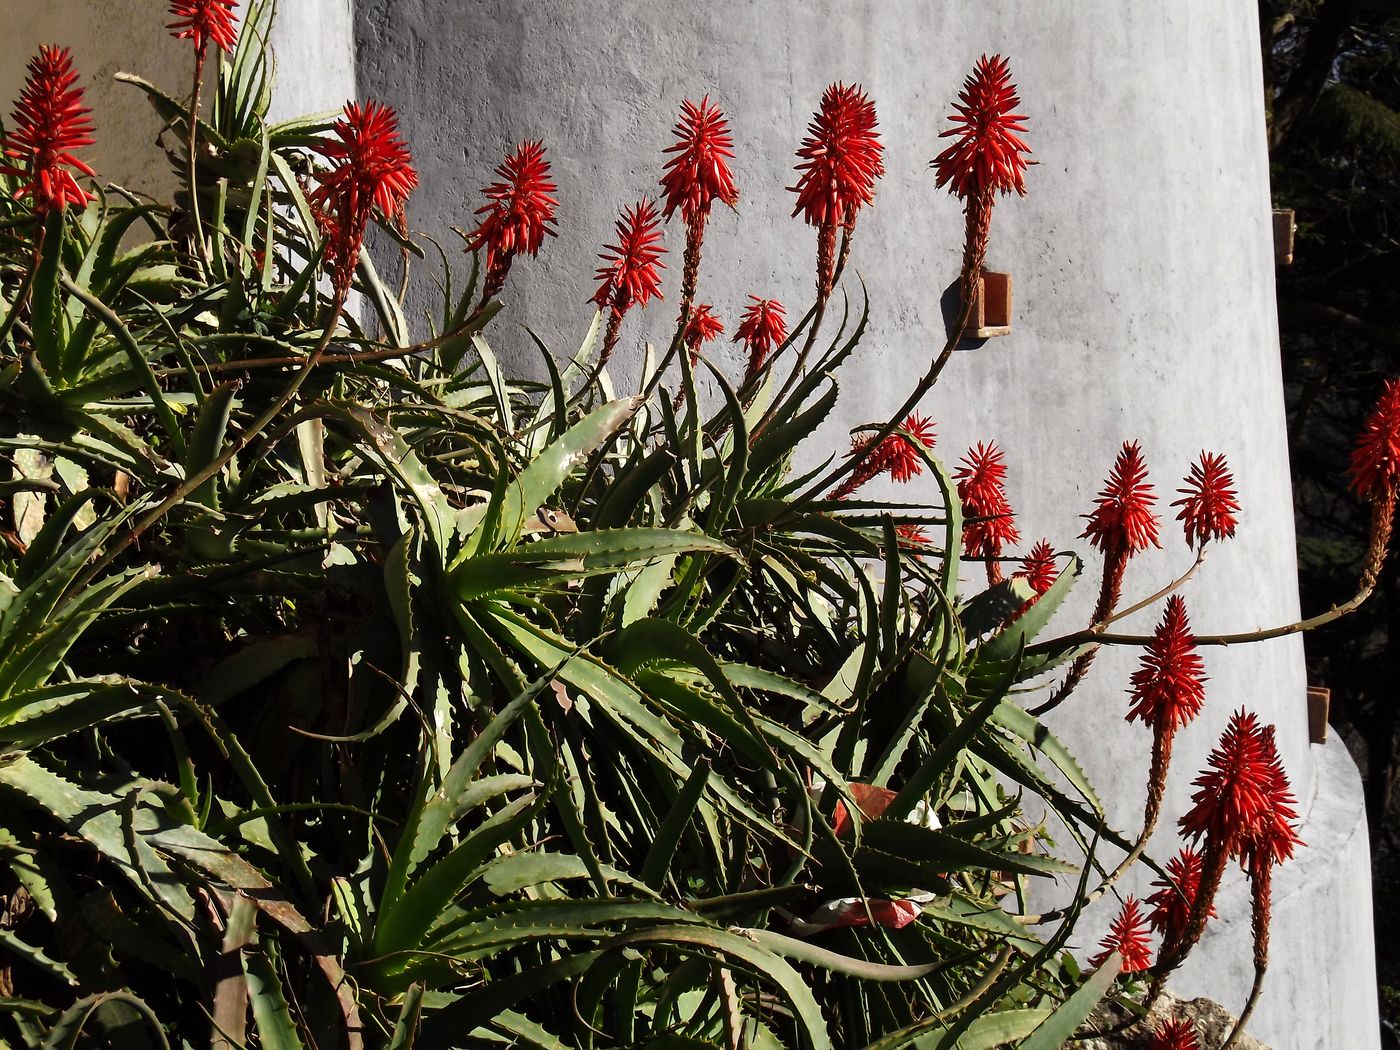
(1144, 309)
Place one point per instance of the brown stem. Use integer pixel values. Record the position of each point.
(1382, 518)
(1156, 789)
(690, 274)
(1213, 861)
(196, 223)
(1110, 591)
(1249, 1005)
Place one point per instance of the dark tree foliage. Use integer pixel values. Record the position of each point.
(1332, 90)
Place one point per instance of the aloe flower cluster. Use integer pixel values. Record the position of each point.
(518, 213)
(370, 170)
(50, 122)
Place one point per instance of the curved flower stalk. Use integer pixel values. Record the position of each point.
(762, 329)
(50, 122)
(987, 156)
(895, 455)
(989, 522)
(631, 271)
(697, 175)
(519, 214)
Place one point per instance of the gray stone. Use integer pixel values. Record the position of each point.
(1213, 1024)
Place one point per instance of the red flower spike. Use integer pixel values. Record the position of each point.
(204, 21)
(698, 173)
(905, 462)
(370, 168)
(1169, 686)
(912, 534)
(981, 479)
(1128, 935)
(1235, 790)
(1375, 463)
(1209, 507)
(702, 326)
(1176, 895)
(1123, 522)
(1172, 1034)
(1039, 568)
(519, 213)
(895, 455)
(986, 156)
(631, 273)
(1275, 836)
(840, 158)
(50, 122)
(762, 328)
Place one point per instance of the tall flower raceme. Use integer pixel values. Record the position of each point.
(989, 523)
(1269, 843)
(519, 213)
(1121, 525)
(203, 22)
(370, 168)
(897, 455)
(838, 163)
(1210, 507)
(631, 271)
(1235, 796)
(1129, 936)
(1168, 691)
(1374, 473)
(762, 329)
(697, 175)
(986, 157)
(50, 123)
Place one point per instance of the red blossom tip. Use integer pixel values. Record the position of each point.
(698, 173)
(991, 524)
(986, 155)
(1169, 685)
(1128, 935)
(1175, 897)
(370, 167)
(1173, 1034)
(203, 21)
(1039, 568)
(520, 208)
(1275, 836)
(50, 122)
(631, 270)
(1123, 522)
(905, 461)
(912, 534)
(1209, 507)
(702, 326)
(840, 158)
(1375, 463)
(762, 328)
(1237, 788)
